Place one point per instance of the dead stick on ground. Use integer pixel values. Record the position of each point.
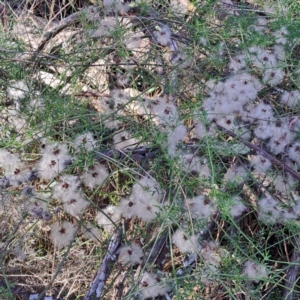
(262, 152)
(97, 286)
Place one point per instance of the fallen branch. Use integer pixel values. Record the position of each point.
(97, 286)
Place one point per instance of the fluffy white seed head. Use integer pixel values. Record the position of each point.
(74, 203)
(67, 184)
(85, 141)
(191, 162)
(263, 130)
(291, 99)
(260, 163)
(268, 211)
(227, 122)
(106, 26)
(134, 41)
(181, 7)
(284, 184)
(144, 201)
(174, 137)
(53, 162)
(289, 214)
(146, 190)
(185, 242)
(62, 234)
(15, 171)
(263, 59)
(244, 84)
(201, 131)
(131, 255)
(200, 207)
(209, 108)
(37, 206)
(10, 162)
(151, 286)
(109, 3)
(236, 174)
(95, 175)
(123, 7)
(120, 6)
(123, 80)
(50, 168)
(247, 78)
(255, 271)
(164, 112)
(147, 211)
(237, 207)
(128, 207)
(108, 218)
(237, 63)
(17, 90)
(162, 34)
(281, 137)
(123, 140)
(54, 149)
(261, 112)
(281, 36)
(294, 152)
(5, 202)
(260, 26)
(279, 52)
(212, 260)
(194, 163)
(273, 76)
(91, 232)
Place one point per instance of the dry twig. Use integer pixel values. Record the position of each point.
(97, 286)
